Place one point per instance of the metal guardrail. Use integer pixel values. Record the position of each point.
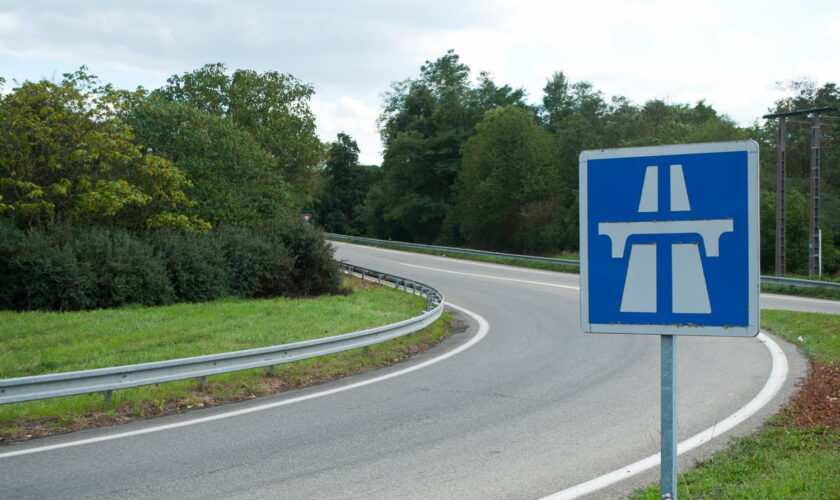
(766, 280)
(797, 282)
(105, 380)
(468, 251)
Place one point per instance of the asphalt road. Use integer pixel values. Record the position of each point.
(531, 408)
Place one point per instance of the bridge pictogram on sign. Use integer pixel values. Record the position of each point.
(669, 239)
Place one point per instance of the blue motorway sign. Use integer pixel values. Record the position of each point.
(669, 239)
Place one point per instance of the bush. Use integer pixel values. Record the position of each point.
(121, 268)
(314, 272)
(62, 267)
(194, 263)
(69, 267)
(41, 274)
(259, 265)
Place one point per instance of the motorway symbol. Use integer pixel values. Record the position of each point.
(669, 239)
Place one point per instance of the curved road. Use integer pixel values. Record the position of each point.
(529, 409)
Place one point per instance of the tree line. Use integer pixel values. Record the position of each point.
(189, 192)
(469, 162)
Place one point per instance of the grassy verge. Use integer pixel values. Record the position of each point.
(34, 343)
(821, 293)
(797, 453)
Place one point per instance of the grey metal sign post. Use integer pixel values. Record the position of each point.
(669, 247)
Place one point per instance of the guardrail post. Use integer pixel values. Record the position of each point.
(202, 382)
(108, 395)
(270, 370)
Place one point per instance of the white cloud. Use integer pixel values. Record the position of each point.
(832, 31)
(729, 53)
(737, 40)
(8, 23)
(481, 49)
(354, 118)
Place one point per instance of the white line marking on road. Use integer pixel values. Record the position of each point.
(800, 299)
(503, 266)
(570, 287)
(774, 383)
(483, 328)
(461, 261)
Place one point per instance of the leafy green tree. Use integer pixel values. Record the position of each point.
(797, 232)
(234, 180)
(271, 106)
(509, 184)
(557, 101)
(580, 118)
(806, 94)
(65, 153)
(425, 123)
(339, 206)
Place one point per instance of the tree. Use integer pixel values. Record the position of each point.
(339, 206)
(509, 184)
(65, 153)
(272, 107)
(580, 118)
(424, 125)
(806, 94)
(234, 180)
(557, 101)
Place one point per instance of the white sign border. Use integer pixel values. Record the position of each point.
(751, 148)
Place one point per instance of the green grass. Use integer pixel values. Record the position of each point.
(817, 334)
(820, 293)
(783, 460)
(780, 462)
(74, 341)
(34, 343)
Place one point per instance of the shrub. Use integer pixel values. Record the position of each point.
(122, 268)
(259, 265)
(314, 272)
(194, 263)
(42, 273)
(70, 267)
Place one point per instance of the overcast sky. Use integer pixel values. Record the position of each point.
(729, 52)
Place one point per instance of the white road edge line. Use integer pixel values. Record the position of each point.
(459, 261)
(778, 374)
(570, 287)
(483, 328)
(485, 264)
(799, 299)
(774, 383)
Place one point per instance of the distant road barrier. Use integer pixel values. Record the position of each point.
(106, 380)
(468, 251)
(766, 280)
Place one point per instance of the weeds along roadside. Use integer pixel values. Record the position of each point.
(797, 452)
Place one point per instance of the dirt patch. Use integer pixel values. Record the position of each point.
(218, 393)
(818, 401)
